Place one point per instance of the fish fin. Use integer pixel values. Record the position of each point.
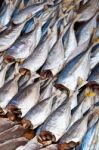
(81, 82)
(89, 93)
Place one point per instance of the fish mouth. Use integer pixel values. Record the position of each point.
(13, 112)
(46, 74)
(67, 146)
(46, 138)
(62, 88)
(24, 71)
(26, 124)
(9, 59)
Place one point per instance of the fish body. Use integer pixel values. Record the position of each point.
(57, 52)
(94, 56)
(13, 143)
(10, 36)
(6, 15)
(72, 71)
(52, 128)
(25, 45)
(94, 76)
(38, 57)
(71, 138)
(29, 11)
(38, 114)
(87, 140)
(6, 93)
(26, 98)
(14, 132)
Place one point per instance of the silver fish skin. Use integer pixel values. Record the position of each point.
(31, 80)
(57, 52)
(94, 76)
(58, 101)
(20, 148)
(38, 57)
(71, 37)
(31, 145)
(7, 14)
(29, 11)
(13, 143)
(71, 138)
(95, 141)
(5, 124)
(14, 132)
(88, 12)
(86, 32)
(74, 70)
(38, 114)
(10, 36)
(26, 98)
(52, 130)
(3, 74)
(50, 147)
(77, 114)
(88, 138)
(94, 56)
(47, 92)
(25, 45)
(8, 91)
(79, 49)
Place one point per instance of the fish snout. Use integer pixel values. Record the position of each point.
(46, 138)
(46, 74)
(13, 113)
(67, 146)
(26, 124)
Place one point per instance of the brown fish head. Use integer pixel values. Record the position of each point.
(46, 138)
(67, 146)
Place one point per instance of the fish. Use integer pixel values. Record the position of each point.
(3, 72)
(38, 114)
(57, 52)
(70, 75)
(88, 10)
(87, 30)
(7, 12)
(5, 124)
(14, 132)
(51, 147)
(94, 55)
(58, 100)
(31, 80)
(88, 138)
(10, 36)
(38, 57)
(52, 130)
(32, 144)
(25, 99)
(47, 92)
(70, 37)
(13, 143)
(94, 76)
(25, 45)
(28, 11)
(71, 138)
(95, 143)
(6, 93)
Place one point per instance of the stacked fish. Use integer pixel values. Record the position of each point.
(49, 75)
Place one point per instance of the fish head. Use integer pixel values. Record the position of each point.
(46, 138)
